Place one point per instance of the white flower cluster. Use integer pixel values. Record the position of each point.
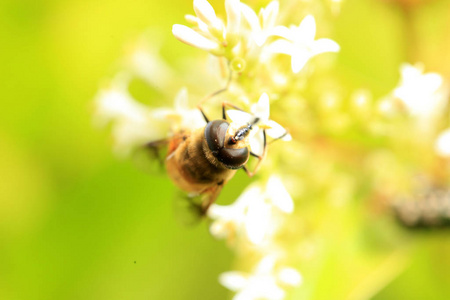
(254, 216)
(248, 34)
(265, 282)
(247, 46)
(252, 222)
(421, 94)
(425, 97)
(135, 124)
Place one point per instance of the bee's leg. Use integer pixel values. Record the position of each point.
(203, 113)
(226, 103)
(259, 157)
(224, 89)
(157, 143)
(155, 148)
(205, 205)
(280, 137)
(211, 196)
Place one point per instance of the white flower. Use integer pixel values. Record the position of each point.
(210, 33)
(442, 145)
(262, 23)
(254, 215)
(263, 283)
(182, 116)
(299, 43)
(260, 110)
(146, 63)
(230, 219)
(133, 124)
(419, 92)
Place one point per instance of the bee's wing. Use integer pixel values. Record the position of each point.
(190, 209)
(151, 156)
(187, 208)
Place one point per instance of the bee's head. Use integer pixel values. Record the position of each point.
(228, 142)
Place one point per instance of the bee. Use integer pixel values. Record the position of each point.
(202, 161)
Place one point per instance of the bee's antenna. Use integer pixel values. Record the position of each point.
(224, 89)
(255, 120)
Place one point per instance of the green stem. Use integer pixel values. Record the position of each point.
(410, 34)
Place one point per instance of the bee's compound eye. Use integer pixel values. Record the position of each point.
(215, 132)
(233, 158)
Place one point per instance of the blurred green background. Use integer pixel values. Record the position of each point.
(77, 223)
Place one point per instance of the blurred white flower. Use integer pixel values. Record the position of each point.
(335, 6)
(133, 124)
(419, 92)
(210, 33)
(181, 115)
(442, 145)
(255, 214)
(229, 220)
(299, 43)
(264, 283)
(290, 276)
(146, 63)
(262, 23)
(260, 110)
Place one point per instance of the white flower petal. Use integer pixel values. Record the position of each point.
(275, 293)
(181, 100)
(266, 265)
(257, 142)
(410, 72)
(290, 276)
(270, 13)
(219, 230)
(420, 92)
(239, 116)
(275, 130)
(299, 59)
(260, 38)
(233, 10)
(192, 119)
(163, 113)
(282, 31)
(191, 37)
(257, 223)
(205, 12)
(233, 280)
(245, 294)
(251, 18)
(325, 45)
(306, 31)
(287, 138)
(115, 103)
(281, 46)
(149, 65)
(262, 108)
(216, 211)
(191, 19)
(279, 195)
(431, 81)
(442, 145)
